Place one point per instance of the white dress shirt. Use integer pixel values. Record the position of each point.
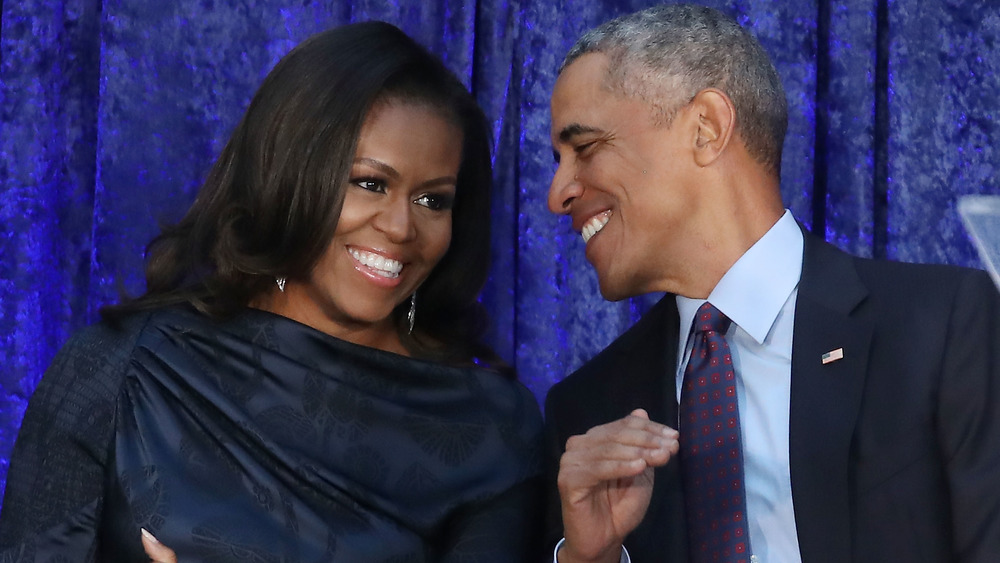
(758, 293)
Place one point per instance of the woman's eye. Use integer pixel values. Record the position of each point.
(436, 202)
(369, 184)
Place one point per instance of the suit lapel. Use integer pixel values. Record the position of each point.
(825, 398)
(651, 358)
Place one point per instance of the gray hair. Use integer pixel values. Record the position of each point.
(665, 55)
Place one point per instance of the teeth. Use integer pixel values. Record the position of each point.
(594, 226)
(385, 267)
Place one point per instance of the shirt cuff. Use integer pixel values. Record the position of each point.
(623, 559)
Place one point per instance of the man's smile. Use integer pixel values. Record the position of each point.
(594, 225)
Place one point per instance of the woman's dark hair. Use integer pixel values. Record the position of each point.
(270, 204)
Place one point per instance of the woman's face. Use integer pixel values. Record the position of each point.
(394, 228)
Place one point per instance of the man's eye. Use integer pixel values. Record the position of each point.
(584, 148)
(369, 184)
(436, 202)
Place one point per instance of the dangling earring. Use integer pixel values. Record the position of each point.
(412, 314)
(281, 283)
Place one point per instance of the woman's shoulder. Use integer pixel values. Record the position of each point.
(112, 339)
(92, 362)
(512, 406)
(505, 386)
(78, 392)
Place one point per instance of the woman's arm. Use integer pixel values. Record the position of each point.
(54, 491)
(507, 527)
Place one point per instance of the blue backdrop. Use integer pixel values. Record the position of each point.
(111, 111)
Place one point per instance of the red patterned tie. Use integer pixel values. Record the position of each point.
(711, 447)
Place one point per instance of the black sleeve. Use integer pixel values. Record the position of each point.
(55, 484)
(504, 529)
(969, 419)
(554, 447)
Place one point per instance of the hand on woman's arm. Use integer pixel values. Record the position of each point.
(157, 552)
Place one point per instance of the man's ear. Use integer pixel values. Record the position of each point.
(716, 124)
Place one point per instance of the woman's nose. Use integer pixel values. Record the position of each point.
(396, 220)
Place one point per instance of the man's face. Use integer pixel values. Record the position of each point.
(627, 183)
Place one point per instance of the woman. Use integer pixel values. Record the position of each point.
(304, 379)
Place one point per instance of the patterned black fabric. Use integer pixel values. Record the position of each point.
(261, 439)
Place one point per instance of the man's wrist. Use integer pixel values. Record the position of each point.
(622, 558)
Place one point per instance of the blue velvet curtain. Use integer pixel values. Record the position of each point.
(111, 111)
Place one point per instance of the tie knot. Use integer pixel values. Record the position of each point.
(709, 318)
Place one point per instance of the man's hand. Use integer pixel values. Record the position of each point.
(606, 481)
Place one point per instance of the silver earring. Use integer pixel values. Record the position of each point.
(281, 283)
(411, 316)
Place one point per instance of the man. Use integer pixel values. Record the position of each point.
(868, 392)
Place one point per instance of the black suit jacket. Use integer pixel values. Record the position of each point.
(894, 450)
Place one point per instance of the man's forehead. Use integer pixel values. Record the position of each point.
(578, 92)
(587, 73)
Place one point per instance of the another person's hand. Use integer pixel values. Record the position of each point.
(606, 481)
(157, 552)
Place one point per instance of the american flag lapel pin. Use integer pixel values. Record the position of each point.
(833, 356)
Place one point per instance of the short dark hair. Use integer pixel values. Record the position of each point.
(665, 55)
(270, 204)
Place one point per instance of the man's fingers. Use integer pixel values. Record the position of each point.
(617, 451)
(623, 435)
(595, 470)
(586, 471)
(586, 452)
(583, 468)
(634, 430)
(639, 420)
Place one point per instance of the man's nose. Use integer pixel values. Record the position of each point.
(565, 187)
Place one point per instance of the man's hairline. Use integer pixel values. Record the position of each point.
(660, 115)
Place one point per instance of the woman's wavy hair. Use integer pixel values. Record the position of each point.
(270, 204)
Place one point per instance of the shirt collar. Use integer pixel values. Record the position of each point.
(757, 286)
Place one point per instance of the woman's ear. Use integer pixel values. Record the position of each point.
(716, 123)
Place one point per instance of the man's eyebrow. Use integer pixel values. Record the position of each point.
(575, 129)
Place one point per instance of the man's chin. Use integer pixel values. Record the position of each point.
(611, 291)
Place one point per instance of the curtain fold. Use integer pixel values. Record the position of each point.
(111, 113)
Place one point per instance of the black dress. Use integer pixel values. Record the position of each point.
(261, 439)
